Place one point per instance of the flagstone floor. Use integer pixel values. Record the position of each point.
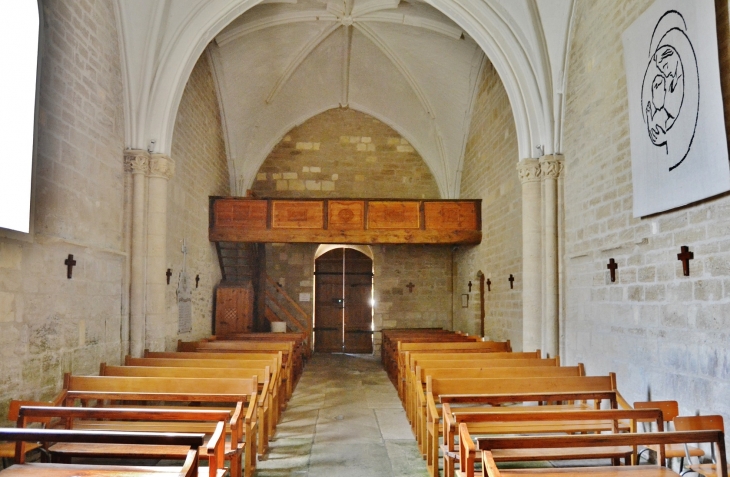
(344, 419)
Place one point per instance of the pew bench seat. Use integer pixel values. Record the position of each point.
(635, 471)
(81, 470)
(189, 443)
(546, 423)
(486, 446)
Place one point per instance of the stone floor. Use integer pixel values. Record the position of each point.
(344, 419)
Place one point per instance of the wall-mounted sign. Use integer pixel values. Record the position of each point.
(677, 127)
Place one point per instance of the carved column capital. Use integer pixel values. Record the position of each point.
(136, 161)
(551, 166)
(528, 170)
(162, 166)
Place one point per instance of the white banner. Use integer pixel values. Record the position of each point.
(678, 142)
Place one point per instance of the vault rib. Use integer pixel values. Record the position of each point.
(299, 59)
(398, 63)
(416, 21)
(275, 20)
(346, 56)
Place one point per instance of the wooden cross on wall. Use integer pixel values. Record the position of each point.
(511, 281)
(612, 266)
(168, 274)
(70, 263)
(489, 284)
(410, 287)
(685, 257)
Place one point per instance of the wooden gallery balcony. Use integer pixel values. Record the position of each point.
(341, 221)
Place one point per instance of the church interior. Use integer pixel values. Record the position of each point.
(200, 168)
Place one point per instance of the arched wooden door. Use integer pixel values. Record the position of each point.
(343, 314)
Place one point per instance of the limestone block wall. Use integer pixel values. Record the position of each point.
(201, 170)
(48, 323)
(489, 174)
(429, 303)
(666, 335)
(346, 153)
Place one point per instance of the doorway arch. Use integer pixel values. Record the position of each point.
(343, 293)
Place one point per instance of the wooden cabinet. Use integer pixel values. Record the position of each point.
(234, 308)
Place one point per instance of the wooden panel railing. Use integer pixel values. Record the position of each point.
(361, 221)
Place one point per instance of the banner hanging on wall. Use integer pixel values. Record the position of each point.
(677, 127)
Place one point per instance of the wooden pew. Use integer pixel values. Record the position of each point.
(489, 444)
(24, 469)
(7, 449)
(485, 361)
(288, 363)
(273, 362)
(391, 340)
(285, 372)
(236, 392)
(300, 339)
(300, 350)
(262, 376)
(291, 358)
(410, 357)
(548, 420)
(388, 336)
(211, 423)
(483, 392)
(418, 399)
(406, 349)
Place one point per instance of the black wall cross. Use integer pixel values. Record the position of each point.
(70, 263)
(511, 281)
(168, 274)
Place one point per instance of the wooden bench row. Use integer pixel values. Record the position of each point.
(187, 446)
(584, 445)
(247, 384)
(458, 387)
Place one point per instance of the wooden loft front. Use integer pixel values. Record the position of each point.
(248, 300)
(345, 221)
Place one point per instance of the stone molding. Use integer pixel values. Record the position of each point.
(136, 161)
(529, 170)
(162, 166)
(551, 166)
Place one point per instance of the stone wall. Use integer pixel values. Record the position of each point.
(201, 170)
(345, 153)
(490, 174)
(429, 305)
(50, 324)
(664, 334)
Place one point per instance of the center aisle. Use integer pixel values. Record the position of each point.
(344, 419)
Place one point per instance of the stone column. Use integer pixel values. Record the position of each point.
(550, 169)
(162, 168)
(529, 172)
(138, 160)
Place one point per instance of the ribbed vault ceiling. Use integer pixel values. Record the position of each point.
(403, 62)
